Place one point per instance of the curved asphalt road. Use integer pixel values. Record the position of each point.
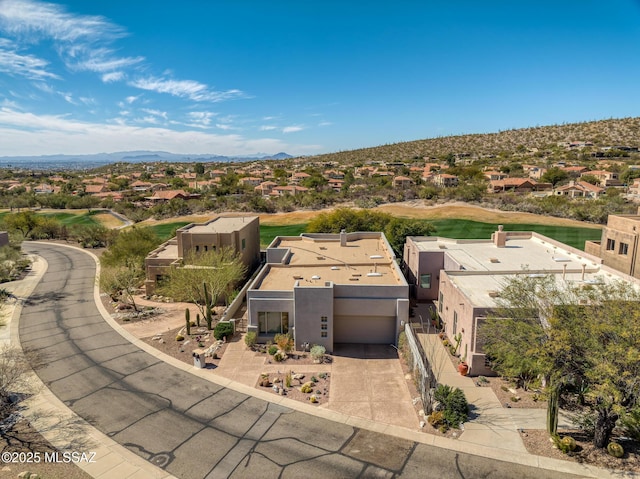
(191, 427)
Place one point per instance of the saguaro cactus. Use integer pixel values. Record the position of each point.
(552, 409)
(187, 318)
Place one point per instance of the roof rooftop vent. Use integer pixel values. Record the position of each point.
(370, 275)
(494, 260)
(315, 276)
(376, 256)
(335, 268)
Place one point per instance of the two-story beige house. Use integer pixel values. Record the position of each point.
(241, 233)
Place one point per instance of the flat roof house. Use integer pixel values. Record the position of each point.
(618, 246)
(463, 278)
(242, 233)
(329, 288)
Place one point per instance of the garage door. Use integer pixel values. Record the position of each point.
(364, 329)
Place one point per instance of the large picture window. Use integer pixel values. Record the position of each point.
(273, 322)
(425, 281)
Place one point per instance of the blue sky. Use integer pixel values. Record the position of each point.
(240, 77)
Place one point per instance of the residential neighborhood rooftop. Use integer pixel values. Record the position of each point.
(221, 224)
(521, 251)
(313, 261)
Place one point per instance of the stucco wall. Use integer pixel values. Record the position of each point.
(311, 304)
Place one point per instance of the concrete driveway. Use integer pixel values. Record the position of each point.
(367, 381)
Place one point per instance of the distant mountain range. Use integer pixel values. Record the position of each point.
(82, 162)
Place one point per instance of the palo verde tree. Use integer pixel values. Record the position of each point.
(219, 270)
(583, 338)
(131, 246)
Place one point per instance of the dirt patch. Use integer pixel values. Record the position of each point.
(537, 442)
(183, 350)
(511, 396)
(422, 209)
(108, 220)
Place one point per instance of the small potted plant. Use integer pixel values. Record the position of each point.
(463, 368)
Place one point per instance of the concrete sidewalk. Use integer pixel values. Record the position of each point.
(489, 423)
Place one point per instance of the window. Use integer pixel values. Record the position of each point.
(206, 248)
(611, 244)
(624, 248)
(273, 322)
(425, 281)
(197, 248)
(323, 334)
(323, 319)
(323, 326)
(244, 243)
(440, 301)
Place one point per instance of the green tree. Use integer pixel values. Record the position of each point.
(220, 270)
(131, 247)
(554, 176)
(398, 229)
(395, 229)
(24, 222)
(122, 280)
(583, 337)
(592, 179)
(199, 169)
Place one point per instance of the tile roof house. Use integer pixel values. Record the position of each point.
(517, 185)
(579, 189)
(167, 195)
(607, 178)
(402, 182)
(445, 180)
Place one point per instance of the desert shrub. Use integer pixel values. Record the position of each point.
(273, 349)
(630, 423)
(615, 449)
(179, 337)
(435, 419)
(250, 339)
(284, 342)
(317, 352)
(313, 399)
(307, 388)
(279, 356)
(223, 329)
(455, 409)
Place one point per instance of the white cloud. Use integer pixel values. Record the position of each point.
(325, 123)
(80, 40)
(200, 119)
(131, 99)
(112, 77)
(28, 66)
(267, 127)
(292, 129)
(29, 134)
(190, 89)
(156, 113)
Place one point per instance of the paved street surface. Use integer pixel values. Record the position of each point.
(193, 428)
